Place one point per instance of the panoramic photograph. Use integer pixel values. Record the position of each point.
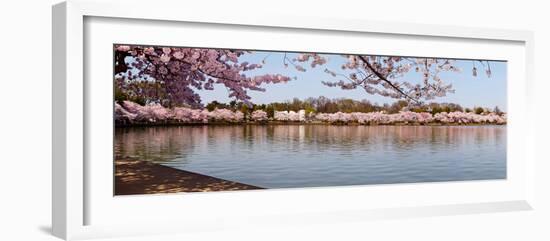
(192, 119)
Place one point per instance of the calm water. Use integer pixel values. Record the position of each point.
(277, 156)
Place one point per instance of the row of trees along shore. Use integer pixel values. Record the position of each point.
(310, 110)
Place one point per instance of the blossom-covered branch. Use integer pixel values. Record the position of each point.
(383, 75)
(178, 71)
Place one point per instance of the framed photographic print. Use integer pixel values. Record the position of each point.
(294, 120)
(208, 122)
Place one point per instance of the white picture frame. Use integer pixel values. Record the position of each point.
(74, 189)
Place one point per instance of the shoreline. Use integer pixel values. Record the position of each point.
(141, 177)
(117, 125)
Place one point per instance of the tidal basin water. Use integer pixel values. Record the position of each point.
(283, 156)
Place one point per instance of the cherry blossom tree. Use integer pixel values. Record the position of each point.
(259, 115)
(382, 75)
(226, 115)
(171, 74)
(408, 117)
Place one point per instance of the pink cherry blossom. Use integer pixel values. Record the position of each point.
(178, 71)
(129, 112)
(259, 115)
(381, 75)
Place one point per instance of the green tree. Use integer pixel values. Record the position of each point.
(212, 105)
(245, 110)
(270, 110)
(397, 106)
(478, 110)
(233, 104)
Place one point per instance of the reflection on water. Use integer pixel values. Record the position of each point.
(276, 156)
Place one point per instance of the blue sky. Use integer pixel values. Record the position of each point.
(470, 91)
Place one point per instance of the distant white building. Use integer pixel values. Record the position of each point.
(290, 115)
(302, 115)
(280, 115)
